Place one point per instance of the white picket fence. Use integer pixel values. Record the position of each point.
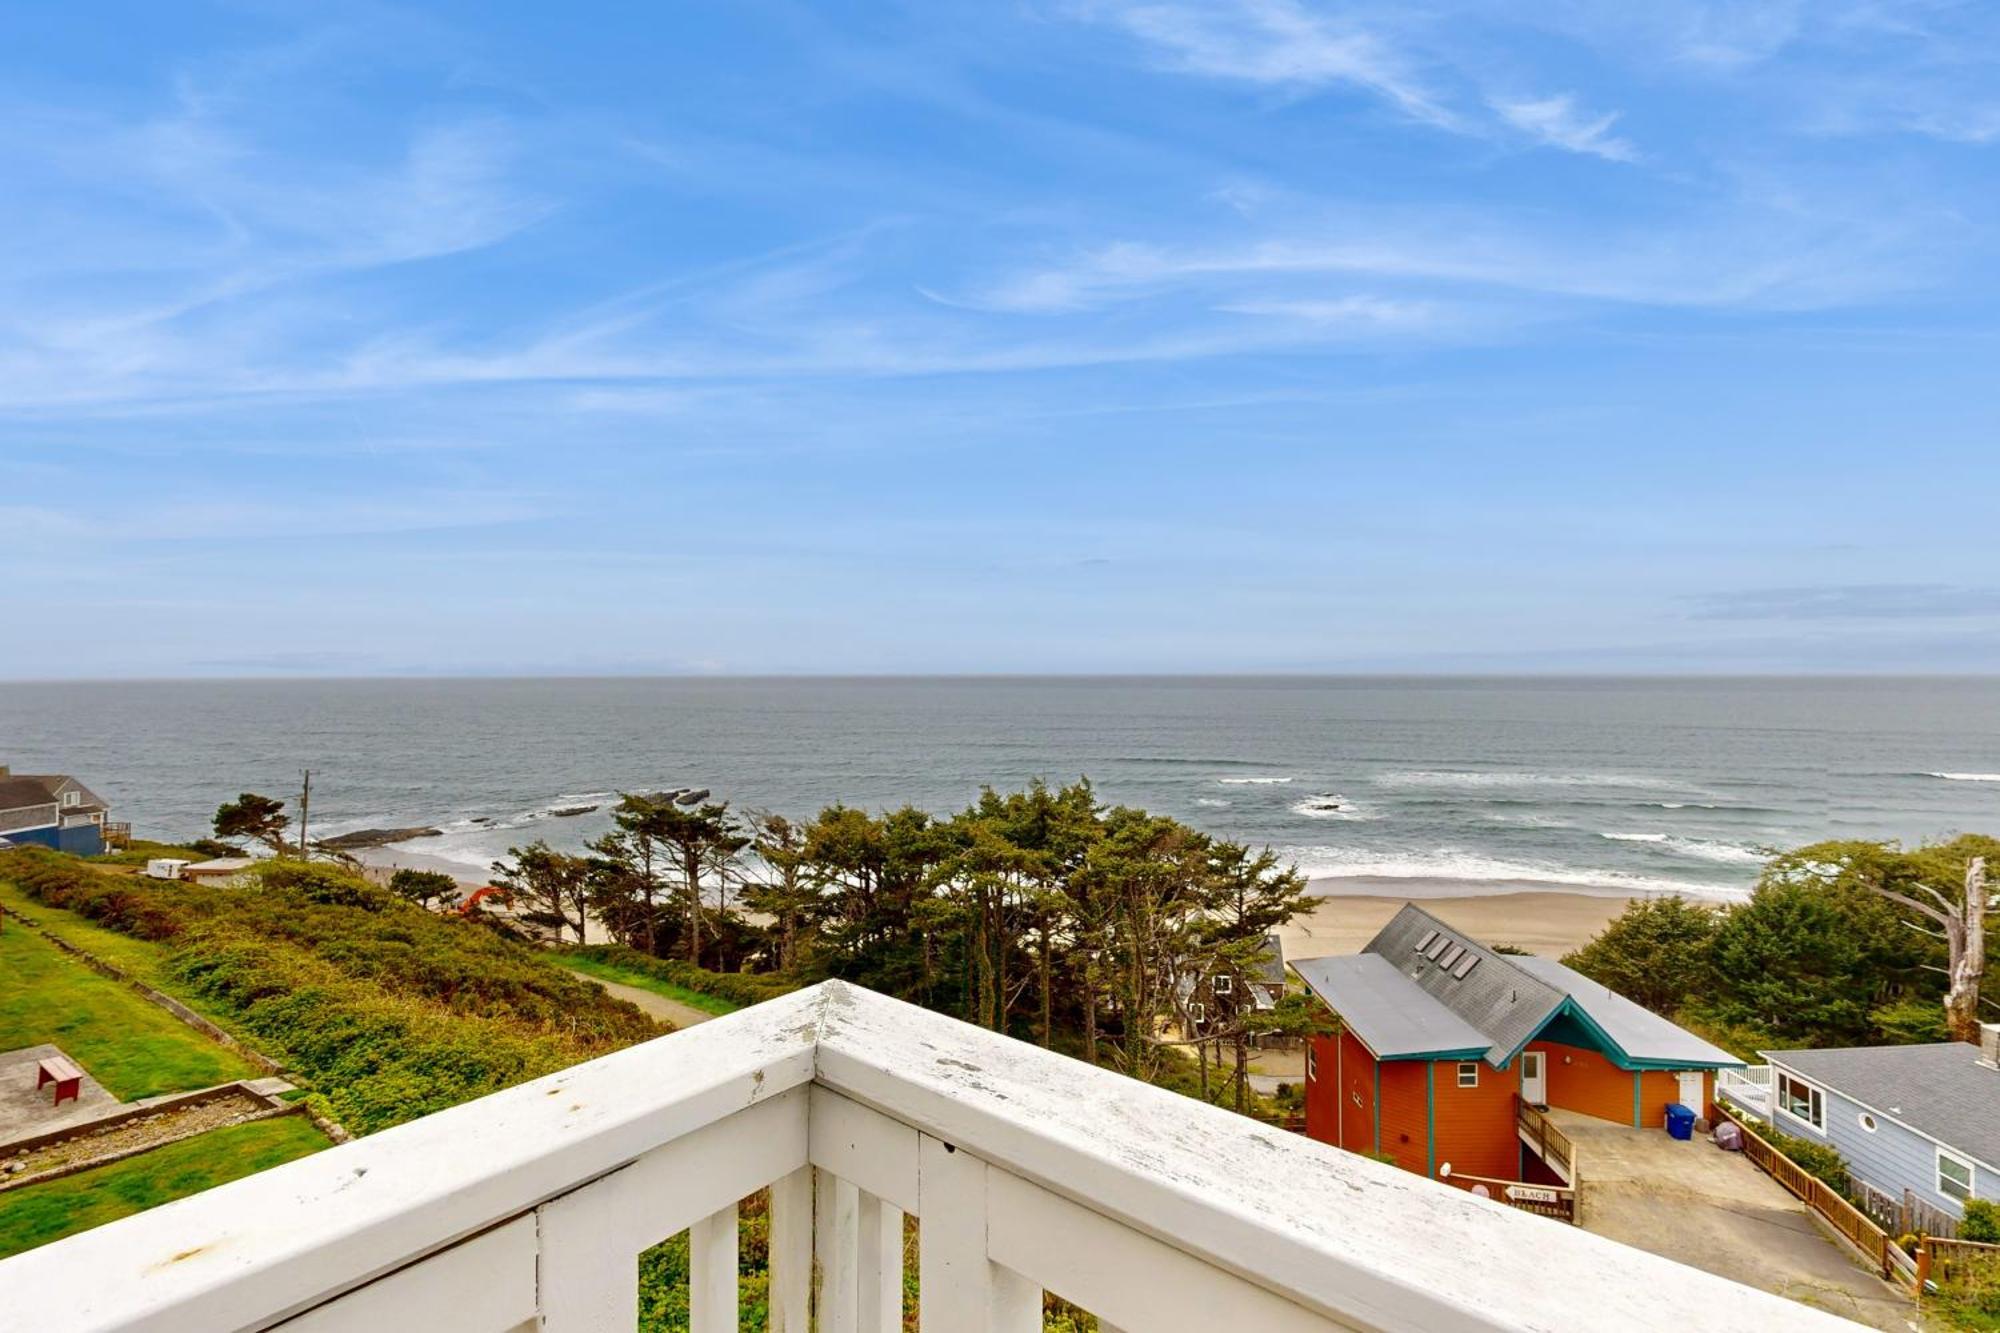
(1028, 1172)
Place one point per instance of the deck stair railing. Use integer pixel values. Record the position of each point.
(1026, 1173)
(1550, 1143)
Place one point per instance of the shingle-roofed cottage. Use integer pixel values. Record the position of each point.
(50, 810)
(1918, 1125)
(1443, 1039)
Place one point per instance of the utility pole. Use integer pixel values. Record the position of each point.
(305, 815)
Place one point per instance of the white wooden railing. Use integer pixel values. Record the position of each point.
(1027, 1171)
(1748, 1088)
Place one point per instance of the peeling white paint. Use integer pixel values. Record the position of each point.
(1179, 1208)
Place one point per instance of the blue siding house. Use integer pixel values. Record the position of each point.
(1918, 1125)
(50, 810)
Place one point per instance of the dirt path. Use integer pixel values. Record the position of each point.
(659, 1006)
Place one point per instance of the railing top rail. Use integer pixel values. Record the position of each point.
(1360, 1242)
(263, 1247)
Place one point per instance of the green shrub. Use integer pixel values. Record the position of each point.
(1819, 1160)
(386, 1010)
(1982, 1222)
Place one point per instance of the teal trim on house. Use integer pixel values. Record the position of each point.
(1430, 1120)
(1378, 1108)
(1638, 1098)
(1568, 1024)
(1469, 1053)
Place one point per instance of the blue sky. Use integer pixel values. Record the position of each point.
(1017, 335)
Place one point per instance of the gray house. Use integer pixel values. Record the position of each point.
(1918, 1125)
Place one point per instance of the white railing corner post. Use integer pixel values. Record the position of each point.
(959, 1285)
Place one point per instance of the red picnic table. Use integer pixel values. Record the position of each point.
(64, 1073)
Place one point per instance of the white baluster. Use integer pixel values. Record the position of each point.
(836, 1209)
(792, 1252)
(959, 1287)
(881, 1265)
(712, 1273)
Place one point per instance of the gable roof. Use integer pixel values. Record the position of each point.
(1426, 973)
(22, 792)
(1642, 1034)
(1938, 1089)
(1388, 1011)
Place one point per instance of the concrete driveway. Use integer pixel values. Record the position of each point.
(1714, 1210)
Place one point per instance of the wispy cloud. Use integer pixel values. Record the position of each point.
(1277, 43)
(1872, 601)
(1556, 121)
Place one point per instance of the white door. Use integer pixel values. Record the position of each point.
(1534, 1080)
(1691, 1092)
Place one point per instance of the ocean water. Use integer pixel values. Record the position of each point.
(1388, 785)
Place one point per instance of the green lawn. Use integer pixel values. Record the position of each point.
(143, 960)
(38, 1214)
(133, 1048)
(603, 971)
(135, 957)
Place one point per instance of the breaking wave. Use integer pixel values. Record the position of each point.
(1469, 872)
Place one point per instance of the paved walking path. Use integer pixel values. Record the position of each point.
(1714, 1210)
(651, 1002)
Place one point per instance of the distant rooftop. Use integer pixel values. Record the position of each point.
(1938, 1089)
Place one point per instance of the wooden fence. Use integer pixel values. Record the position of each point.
(1822, 1198)
(1945, 1261)
(1555, 1201)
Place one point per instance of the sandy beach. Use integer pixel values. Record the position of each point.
(1538, 920)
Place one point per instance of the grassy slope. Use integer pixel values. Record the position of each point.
(603, 971)
(38, 1214)
(133, 1048)
(142, 960)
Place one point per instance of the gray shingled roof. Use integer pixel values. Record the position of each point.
(1503, 1002)
(1271, 962)
(1939, 1089)
(1432, 989)
(1386, 1009)
(20, 792)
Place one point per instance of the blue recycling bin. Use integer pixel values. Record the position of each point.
(1680, 1121)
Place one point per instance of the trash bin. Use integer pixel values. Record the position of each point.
(1680, 1121)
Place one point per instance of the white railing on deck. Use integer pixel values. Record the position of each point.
(1027, 1171)
(1748, 1088)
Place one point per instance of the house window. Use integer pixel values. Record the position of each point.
(1425, 942)
(1954, 1176)
(1867, 1121)
(72, 798)
(1312, 1065)
(1468, 1074)
(1801, 1101)
(1223, 984)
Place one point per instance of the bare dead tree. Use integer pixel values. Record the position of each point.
(1962, 926)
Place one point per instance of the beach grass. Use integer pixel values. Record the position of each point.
(37, 1214)
(135, 1049)
(604, 971)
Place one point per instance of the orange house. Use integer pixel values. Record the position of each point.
(1442, 1040)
